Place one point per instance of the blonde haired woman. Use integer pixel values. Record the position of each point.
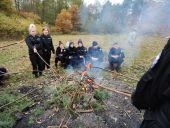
(35, 46)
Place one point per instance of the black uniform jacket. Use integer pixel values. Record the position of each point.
(72, 53)
(82, 51)
(95, 52)
(34, 42)
(61, 53)
(47, 43)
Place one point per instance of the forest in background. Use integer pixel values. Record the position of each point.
(74, 16)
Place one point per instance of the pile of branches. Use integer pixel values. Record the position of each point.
(79, 93)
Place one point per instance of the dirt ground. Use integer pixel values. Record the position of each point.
(119, 113)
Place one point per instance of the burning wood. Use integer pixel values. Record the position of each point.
(85, 111)
(90, 85)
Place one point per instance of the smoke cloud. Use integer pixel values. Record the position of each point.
(142, 17)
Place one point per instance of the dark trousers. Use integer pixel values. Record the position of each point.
(73, 63)
(37, 64)
(115, 64)
(81, 62)
(62, 60)
(47, 57)
(2, 72)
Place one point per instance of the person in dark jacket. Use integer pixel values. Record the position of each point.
(116, 57)
(3, 71)
(61, 55)
(35, 47)
(95, 54)
(157, 95)
(82, 54)
(48, 46)
(72, 55)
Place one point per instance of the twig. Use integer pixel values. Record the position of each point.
(127, 114)
(51, 69)
(84, 111)
(12, 44)
(135, 79)
(3, 106)
(68, 120)
(11, 73)
(63, 119)
(116, 73)
(115, 90)
(72, 100)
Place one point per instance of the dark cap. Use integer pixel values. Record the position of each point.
(60, 43)
(94, 43)
(80, 41)
(71, 43)
(115, 43)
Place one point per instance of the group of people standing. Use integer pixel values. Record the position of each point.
(41, 47)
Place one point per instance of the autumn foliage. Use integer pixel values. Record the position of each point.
(75, 18)
(63, 22)
(68, 20)
(6, 5)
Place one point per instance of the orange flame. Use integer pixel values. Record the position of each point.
(88, 66)
(83, 74)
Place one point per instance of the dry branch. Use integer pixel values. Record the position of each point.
(12, 44)
(117, 73)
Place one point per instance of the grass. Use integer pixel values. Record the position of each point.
(7, 116)
(36, 112)
(137, 60)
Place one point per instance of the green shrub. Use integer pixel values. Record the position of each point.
(15, 25)
(37, 111)
(101, 95)
(31, 120)
(98, 107)
(30, 15)
(7, 115)
(6, 5)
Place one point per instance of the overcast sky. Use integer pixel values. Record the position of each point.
(103, 1)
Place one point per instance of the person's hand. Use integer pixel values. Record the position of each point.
(115, 56)
(53, 52)
(94, 59)
(81, 57)
(53, 55)
(35, 50)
